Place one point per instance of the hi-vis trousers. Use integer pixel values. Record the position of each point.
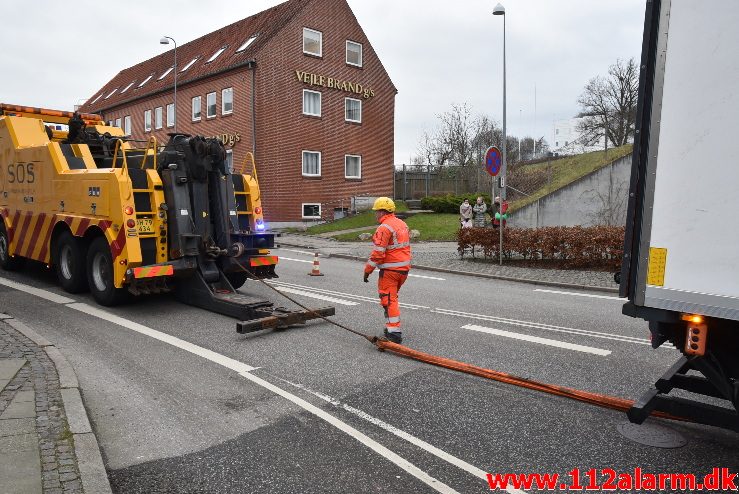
(388, 285)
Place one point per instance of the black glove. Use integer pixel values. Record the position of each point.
(366, 277)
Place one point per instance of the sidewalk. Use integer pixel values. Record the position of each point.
(46, 442)
(443, 257)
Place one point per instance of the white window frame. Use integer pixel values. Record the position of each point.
(320, 42)
(320, 103)
(118, 122)
(111, 93)
(200, 108)
(170, 123)
(158, 120)
(302, 167)
(346, 110)
(361, 53)
(247, 43)
(302, 210)
(127, 87)
(230, 160)
(127, 125)
(207, 105)
(217, 54)
(95, 100)
(189, 64)
(145, 80)
(223, 101)
(166, 73)
(346, 158)
(147, 120)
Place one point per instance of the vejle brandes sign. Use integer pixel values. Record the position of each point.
(331, 83)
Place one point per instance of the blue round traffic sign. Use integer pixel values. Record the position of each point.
(493, 160)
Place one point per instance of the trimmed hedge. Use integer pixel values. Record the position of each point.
(570, 246)
(450, 203)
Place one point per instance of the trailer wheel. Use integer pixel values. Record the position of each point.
(69, 263)
(100, 275)
(7, 262)
(237, 280)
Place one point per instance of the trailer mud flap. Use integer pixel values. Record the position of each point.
(282, 318)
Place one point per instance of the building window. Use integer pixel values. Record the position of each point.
(147, 121)
(189, 64)
(353, 53)
(312, 42)
(158, 117)
(111, 93)
(210, 103)
(127, 125)
(145, 80)
(227, 101)
(311, 211)
(311, 164)
(353, 110)
(95, 100)
(196, 108)
(246, 44)
(352, 166)
(118, 122)
(166, 72)
(311, 103)
(170, 115)
(215, 55)
(127, 87)
(230, 161)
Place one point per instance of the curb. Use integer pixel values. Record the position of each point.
(93, 475)
(556, 284)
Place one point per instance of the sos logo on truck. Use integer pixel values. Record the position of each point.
(21, 173)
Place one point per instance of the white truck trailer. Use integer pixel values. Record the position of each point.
(681, 252)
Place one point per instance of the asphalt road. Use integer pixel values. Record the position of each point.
(182, 403)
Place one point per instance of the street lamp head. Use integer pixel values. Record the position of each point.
(499, 10)
(164, 40)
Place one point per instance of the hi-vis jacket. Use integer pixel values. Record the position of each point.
(392, 249)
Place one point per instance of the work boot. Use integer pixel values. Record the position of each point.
(395, 337)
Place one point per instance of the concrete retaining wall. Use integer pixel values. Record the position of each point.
(599, 198)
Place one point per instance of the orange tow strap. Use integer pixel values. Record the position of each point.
(382, 344)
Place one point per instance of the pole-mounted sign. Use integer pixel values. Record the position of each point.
(493, 160)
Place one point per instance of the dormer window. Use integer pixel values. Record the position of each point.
(127, 87)
(246, 44)
(145, 80)
(95, 100)
(189, 64)
(111, 93)
(215, 55)
(166, 72)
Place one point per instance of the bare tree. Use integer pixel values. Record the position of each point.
(608, 105)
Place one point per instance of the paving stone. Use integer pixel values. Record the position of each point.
(10, 367)
(67, 476)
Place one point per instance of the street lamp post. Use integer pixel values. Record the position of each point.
(165, 41)
(500, 10)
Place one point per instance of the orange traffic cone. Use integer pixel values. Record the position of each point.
(316, 271)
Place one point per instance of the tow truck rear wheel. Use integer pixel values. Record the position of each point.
(7, 262)
(69, 262)
(100, 274)
(237, 280)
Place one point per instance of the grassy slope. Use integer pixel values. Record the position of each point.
(567, 170)
(431, 226)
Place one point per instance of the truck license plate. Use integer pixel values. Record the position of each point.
(145, 225)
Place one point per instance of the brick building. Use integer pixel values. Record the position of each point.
(299, 85)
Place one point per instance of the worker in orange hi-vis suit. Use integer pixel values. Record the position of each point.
(391, 254)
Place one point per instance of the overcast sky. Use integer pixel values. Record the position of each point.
(438, 52)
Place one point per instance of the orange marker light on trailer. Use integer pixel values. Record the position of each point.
(694, 318)
(257, 210)
(128, 210)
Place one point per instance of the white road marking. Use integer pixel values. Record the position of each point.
(45, 294)
(244, 370)
(363, 298)
(576, 294)
(426, 277)
(536, 339)
(453, 460)
(315, 295)
(294, 260)
(298, 251)
(548, 327)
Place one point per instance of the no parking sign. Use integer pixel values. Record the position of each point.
(493, 160)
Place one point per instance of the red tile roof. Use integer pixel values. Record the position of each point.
(265, 24)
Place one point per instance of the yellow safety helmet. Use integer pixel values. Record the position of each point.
(384, 203)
